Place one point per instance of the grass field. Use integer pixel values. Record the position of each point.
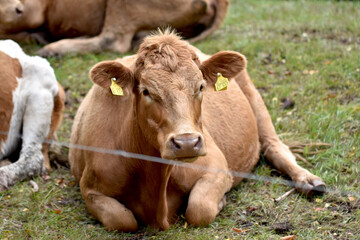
(308, 51)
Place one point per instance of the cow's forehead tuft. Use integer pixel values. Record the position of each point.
(165, 50)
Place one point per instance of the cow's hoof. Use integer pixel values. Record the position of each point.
(311, 188)
(222, 203)
(46, 53)
(39, 37)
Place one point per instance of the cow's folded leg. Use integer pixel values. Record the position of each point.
(274, 150)
(36, 124)
(107, 41)
(29, 164)
(109, 211)
(207, 198)
(77, 45)
(122, 43)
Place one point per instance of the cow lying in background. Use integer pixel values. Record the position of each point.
(163, 104)
(31, 106)
(106, 24)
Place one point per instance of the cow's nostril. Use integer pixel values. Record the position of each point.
(19, 10)
(175, 144)
(199, 143)
(186, 145)
(186, 142)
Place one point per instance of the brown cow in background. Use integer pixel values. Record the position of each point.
(163, 104)
(104, 24)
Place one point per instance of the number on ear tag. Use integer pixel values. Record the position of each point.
(115, 88)
(221, 83)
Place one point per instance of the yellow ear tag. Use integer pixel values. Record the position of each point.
(221, 83)
(115, 88)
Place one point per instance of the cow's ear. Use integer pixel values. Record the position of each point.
(228, 63)
(107, 72)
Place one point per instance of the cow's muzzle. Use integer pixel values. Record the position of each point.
(185, 146)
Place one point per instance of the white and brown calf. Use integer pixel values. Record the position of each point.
(31, 105)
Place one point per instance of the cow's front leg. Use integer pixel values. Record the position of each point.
(36, 124)
(109, 211)
(106, 41)
(273, 148)
(207, 197)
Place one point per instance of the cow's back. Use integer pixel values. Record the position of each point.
(69, 19)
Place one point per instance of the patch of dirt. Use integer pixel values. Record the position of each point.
(282, 227)
(263, 89)
(287, 103)
(142, 234)
(244, 223)
(70, 201)
(348, 98)
(305, 34)
(344, 207)
(266, 58)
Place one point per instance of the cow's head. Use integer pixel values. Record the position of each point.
(10, 11)
(168, 82)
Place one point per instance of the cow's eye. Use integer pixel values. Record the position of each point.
(145, 92)
(198, 93)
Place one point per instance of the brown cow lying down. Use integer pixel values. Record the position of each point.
(31, 105)
(170, 109)
(109, 24)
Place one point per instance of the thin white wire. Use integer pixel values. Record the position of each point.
(193, 166)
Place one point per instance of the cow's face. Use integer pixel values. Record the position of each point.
(168, 83)
(169, 105)
(10, 11)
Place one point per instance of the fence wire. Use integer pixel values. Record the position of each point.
(249, 176)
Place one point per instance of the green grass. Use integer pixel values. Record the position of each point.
(306, 50)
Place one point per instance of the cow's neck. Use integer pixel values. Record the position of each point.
(154, 176)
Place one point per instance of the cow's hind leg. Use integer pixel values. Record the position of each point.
(273, 148)
(109, 211)
(36, 126)
(56, 117)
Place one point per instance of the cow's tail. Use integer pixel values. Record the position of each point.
(221, 10)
